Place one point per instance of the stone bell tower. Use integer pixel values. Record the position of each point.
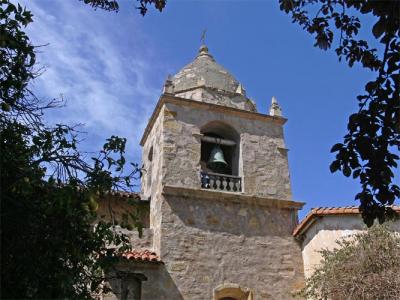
(217, 175)
(203, 106)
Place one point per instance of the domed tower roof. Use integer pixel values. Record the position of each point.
(205, 80)
(204, 71)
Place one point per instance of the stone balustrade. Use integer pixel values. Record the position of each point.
(221, 182)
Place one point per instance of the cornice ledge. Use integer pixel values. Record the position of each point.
(230, 196)
(169, 98)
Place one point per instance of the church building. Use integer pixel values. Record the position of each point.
(220, 221)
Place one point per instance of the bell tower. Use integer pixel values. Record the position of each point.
(205, 133)
(217, 176)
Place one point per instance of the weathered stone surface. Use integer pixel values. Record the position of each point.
(217, 244)
(204, 242)
(207, 239)
(207, 242)
(262, 165)
(152, 178)
(206, 81)
(223, 244)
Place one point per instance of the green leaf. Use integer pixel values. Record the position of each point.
(346, 171)
(335, 166)
(356, 173)
(379, 28)
(336, 147)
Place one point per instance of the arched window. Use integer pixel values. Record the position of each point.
(220, 149)
(231, 291)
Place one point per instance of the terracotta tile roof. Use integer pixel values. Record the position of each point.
(143, 255)
(324, 211)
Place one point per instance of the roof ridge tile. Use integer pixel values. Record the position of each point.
(144, 255)
(322, 211)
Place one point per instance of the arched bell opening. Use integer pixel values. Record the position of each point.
(220, 157)
(220, 149)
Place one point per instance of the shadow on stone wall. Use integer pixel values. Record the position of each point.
(151, 281)
(228, 217)
(161, 287)
(120, 206)
(208, 242)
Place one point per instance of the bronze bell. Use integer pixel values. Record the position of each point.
(217, 161)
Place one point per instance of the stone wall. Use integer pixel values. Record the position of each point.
(265, 165)
(181, 147)
(219, 97)
(115, 206)
(152, 159)
(208, 242)
(262, 161)
(158, 284)
(152, 178)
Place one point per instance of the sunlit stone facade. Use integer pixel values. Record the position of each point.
(217, 234)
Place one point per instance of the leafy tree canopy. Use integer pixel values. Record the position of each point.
(112, 5)
(364, 267)
(17, 57)
(50, 245)
(370, 150)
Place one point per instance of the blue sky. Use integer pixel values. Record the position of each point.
(110, 68)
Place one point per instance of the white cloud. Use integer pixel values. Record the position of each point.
(102, 73)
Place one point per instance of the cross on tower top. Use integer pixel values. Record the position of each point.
(203, 37)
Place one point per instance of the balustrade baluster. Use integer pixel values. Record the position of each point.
(231, 184)
(220, 182)
(224, 183)
(238, 185)
(212, 182)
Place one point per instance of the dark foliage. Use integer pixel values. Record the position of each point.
(17, 57)
(370, 150)
(112, 5)
(51, 244)
(50, 248)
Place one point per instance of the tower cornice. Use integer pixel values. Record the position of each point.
(245, 114)
(233, 197)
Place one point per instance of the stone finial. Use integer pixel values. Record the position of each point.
(275, 109)
(168, 86)
(240, 90)
(203, 52)
(203, 49)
